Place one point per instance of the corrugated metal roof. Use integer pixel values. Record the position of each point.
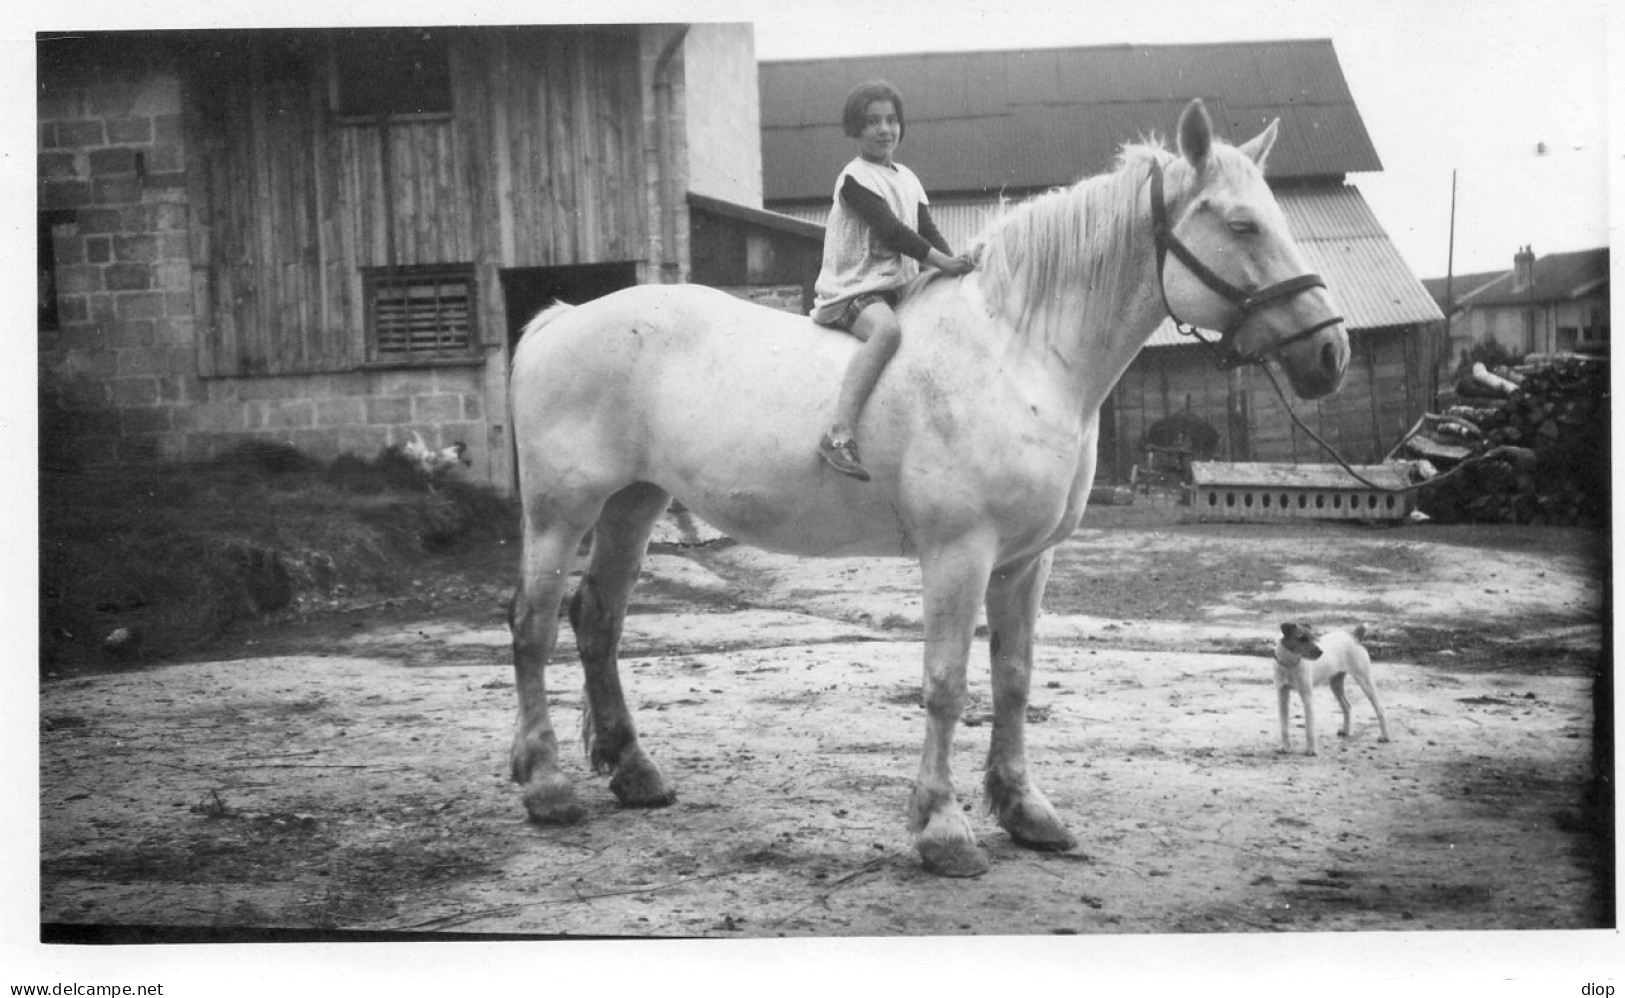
(1341, 240)
(979, 121)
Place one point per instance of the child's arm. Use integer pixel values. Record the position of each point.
(888, 228)
(941, 257)
(927, 227)
(894, 235)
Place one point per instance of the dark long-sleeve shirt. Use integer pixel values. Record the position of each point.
(889, 229)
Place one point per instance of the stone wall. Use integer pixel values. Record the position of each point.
(326, 415)
(120, 362)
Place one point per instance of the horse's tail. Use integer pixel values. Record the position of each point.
(542, 318)
(545, 316)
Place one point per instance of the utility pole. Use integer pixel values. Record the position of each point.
(1443, 355)
(1450, 257)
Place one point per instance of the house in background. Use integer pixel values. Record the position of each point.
(1557, 303)
(332, 238)
(986, 126)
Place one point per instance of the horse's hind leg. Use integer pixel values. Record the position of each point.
(1013, 597)
(549, 545)
(597, 612)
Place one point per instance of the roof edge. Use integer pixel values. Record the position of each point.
(757, 216)
(1028, 50)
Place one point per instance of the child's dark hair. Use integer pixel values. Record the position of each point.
(857, 106)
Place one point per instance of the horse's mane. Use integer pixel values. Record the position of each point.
(1077, 242)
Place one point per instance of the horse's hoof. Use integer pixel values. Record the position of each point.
(1044, 838)
(639, 783)
(664, 799)
(953, 859)
(569, 814)
(553, 804)
(1029, 819)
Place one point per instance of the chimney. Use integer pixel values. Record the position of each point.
(1523, 270)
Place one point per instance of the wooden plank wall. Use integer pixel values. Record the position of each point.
(539, 164)
(557, 119)
(263, 220)
(1385, 390)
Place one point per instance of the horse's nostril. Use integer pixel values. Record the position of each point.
(1330, 359)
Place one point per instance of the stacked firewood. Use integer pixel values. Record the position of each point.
(1524, 444)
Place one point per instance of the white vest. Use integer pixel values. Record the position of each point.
(855, 261)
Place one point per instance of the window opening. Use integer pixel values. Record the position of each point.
(418, 313)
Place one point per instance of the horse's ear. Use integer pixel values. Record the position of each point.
(1195, 132)
(1258, 147)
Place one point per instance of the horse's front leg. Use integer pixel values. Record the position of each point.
(1013, 597)
(955, 580)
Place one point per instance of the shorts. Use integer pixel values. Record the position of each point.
(854, 308)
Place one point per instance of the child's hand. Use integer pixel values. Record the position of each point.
(964, 263)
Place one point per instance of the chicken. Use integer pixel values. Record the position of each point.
(124, 644)
(433, 463)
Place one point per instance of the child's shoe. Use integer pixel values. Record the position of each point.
(841, 453)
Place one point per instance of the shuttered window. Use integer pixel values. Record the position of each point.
(420, 313)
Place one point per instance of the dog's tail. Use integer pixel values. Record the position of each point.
(1359, 633)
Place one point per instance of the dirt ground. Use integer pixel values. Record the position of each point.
(345, 768)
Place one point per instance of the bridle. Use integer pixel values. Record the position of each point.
(1228, 356)
(1246, 304)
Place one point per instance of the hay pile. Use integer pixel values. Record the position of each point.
(147, 561)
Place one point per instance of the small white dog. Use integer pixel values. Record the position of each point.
(1304, 660)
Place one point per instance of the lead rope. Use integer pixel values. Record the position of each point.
(1328, 448)
(1192, 331)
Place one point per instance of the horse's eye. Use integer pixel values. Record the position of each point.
(1244, 227)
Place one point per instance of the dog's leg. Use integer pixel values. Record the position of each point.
(1371, 694)
(1343, 702)
(1285, 692)
(1306, 693)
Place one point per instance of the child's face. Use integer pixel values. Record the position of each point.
(881, 131)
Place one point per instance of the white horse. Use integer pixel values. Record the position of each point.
(980, 437)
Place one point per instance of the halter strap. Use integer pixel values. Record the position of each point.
(1246, 304)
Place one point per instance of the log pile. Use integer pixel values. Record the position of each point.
(1530, 442)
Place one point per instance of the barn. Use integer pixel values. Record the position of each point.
(988, 126)
(332, 238)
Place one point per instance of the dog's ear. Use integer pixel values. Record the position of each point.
(1286, 630)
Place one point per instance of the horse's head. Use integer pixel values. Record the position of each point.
(1228, 262)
